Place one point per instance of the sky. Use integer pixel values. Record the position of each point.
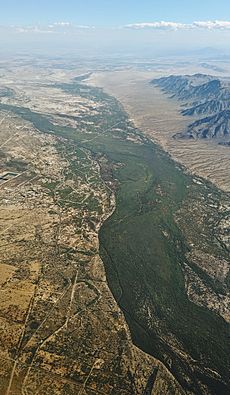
(111, 12)
(115, 25)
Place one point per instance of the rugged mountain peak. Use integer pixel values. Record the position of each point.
(201, 95)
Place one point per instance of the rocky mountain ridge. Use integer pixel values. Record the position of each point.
(201, 95)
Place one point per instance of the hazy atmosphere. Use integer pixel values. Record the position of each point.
(128, 27)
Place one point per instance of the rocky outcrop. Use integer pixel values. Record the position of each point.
(201, 95)
(215, 126)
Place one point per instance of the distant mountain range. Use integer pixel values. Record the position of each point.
(200, 95)
(214, 126)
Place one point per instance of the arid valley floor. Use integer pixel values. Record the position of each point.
(114, 269)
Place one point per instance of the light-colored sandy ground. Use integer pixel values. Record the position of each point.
(159, 118)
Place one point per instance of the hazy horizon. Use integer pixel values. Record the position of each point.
(148, 28)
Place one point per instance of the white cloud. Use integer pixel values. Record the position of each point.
(62, 24)
(56, 27)
(212, 25)
(158, 25)
(68, 28)
(163, 25)
(33, 29)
